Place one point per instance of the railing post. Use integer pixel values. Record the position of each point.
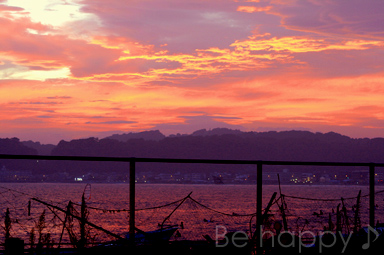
(372, 195)
(132, 183)
(259, 204)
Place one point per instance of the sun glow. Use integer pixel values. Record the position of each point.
(51, 12)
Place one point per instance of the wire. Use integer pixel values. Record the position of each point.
(216, 211)
(329, 200)
(127, 210)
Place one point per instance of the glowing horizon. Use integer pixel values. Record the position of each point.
(81, 68)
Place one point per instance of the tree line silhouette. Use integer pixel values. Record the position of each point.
(202, 144)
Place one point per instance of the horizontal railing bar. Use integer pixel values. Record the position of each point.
(193, 161)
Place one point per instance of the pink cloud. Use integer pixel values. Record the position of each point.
(44, 52)
(6, 8)
(342, 64)
(49, 51)
(98, 59)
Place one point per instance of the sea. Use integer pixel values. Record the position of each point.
(38, 210)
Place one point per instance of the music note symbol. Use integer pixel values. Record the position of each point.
(368, 244)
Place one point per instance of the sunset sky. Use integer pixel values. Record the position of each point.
(74, 69)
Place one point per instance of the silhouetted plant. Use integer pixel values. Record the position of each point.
(40, 226)
(44, 239)
(32, 237)
(7, 224)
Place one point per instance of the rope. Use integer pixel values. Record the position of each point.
(140, 209)
(127, 210)
(89, 207)
(29, 195)
(222, 213)
(329, 200)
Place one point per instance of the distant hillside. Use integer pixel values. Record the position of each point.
(154, 135)
(42, 149)
(216, 131)
(285, 145)
(205, 144)
(14, 146)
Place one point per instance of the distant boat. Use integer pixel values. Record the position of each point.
(141, 238)
(155, 236)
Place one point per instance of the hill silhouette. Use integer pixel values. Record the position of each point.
(153, 135)
(14, 146)
(42, 149)
(206, 144)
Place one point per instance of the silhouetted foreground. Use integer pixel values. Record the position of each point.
(364, 241)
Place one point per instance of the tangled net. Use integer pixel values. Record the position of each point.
(82, 224)
(58, 224)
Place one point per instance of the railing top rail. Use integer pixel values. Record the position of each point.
(194, 161)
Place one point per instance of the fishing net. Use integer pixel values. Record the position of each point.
(51, 223)
(90, 222)
(23, 219)
(333, 211)
(66, 223)
(197, 221)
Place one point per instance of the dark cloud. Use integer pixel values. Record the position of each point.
(306, 99)
(343, 18)
(183, 25)
(37, 103)
(190, 124)
(112, 122)
(59, 97)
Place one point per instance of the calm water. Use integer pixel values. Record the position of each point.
(109, 203)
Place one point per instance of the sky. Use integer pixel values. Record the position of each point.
(73, 69)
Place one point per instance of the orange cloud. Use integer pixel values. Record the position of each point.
(124, 44)
(251, 9)
(302, 44)
(97, 107)
(254, 53)
(207, 62)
